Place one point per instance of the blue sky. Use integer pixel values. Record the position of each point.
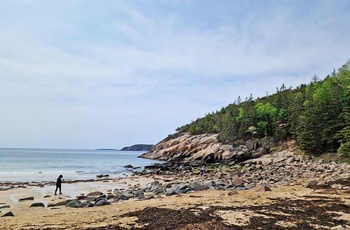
(109, 74)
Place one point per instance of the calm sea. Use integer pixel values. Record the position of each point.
(47, 164)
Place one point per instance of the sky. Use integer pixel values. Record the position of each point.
(108, 74)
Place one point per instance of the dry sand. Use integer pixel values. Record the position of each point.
(285, 207)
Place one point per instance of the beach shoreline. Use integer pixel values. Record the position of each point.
(238, 208)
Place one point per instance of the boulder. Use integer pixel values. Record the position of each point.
(155, 185)
(26, 198)
(178, 189)
(120, 197)
(139, 194)
(74, 204)
(123, 196)
(170, 192)
(59, 203)
(101, 202)
(87, 204)
(199, 187)
(8, 214)
(109, 196)
(102, 175)
(39, 204)
(182, 188)
(158, 191)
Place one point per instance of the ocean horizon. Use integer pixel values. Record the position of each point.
(36, 164)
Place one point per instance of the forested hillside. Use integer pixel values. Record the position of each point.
(315, 115)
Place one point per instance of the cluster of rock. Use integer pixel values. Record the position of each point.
(90, 200)
(280, 168)
(255, 163)
(177, 185)
(286, 168)
(204, 148)
(156, 189)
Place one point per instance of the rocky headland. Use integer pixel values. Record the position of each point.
(253, 162)
(205, 148)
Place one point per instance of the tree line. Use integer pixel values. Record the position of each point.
(315, 115)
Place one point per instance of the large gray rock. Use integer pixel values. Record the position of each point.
(178, 189)
(102, 202)
(158, 191)
(74, 204)
(125, 195)
(139, 194)
(170, 192)
(109, 196)
(155, 185)
(121, 197)
(87, 204)
(199, 187)
(182, 188)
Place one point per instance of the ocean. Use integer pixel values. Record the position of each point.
(25, 165)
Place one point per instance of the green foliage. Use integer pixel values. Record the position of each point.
(344, 148)
(266, 116)
(316, 115)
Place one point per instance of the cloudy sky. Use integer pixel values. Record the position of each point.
(109, 74)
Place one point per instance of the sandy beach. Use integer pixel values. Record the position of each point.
(284, 207)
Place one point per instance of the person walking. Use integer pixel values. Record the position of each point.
(58, 184)
(202, 171)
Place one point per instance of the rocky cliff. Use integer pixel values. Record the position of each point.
(204, 148)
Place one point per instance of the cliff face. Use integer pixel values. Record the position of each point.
(204, 148)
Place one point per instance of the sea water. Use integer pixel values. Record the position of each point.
(23, 165)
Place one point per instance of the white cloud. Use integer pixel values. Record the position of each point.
(91, 74)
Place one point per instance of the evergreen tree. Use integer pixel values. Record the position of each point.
(316, 115)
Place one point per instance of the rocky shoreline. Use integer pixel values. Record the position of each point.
(279, 168)
(329, 182)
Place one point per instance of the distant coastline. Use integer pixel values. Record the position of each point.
(137, 147)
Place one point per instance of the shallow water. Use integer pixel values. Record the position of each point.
(73, 164)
